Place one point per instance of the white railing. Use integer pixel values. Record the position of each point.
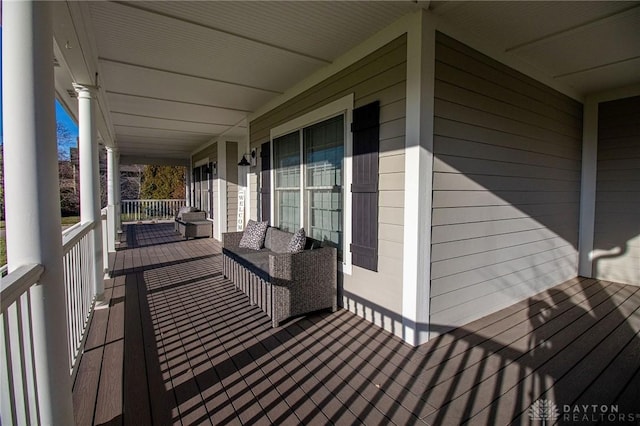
(17, 364)
(106, 235)
(135, 210)
(18, 392)
(78, 256)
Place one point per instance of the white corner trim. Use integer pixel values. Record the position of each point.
(588, 186)
(418, 179)
(345, 106)
(589, 172)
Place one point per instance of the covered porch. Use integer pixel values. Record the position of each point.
(178, 344)
(476, 163)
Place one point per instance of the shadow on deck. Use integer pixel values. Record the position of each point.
(179, 345)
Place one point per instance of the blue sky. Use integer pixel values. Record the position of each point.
(67, 123)
(61, 117)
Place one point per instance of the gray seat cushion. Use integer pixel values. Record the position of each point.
(256, 261)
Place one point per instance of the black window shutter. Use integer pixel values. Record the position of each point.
(265, 179)
(364, 188)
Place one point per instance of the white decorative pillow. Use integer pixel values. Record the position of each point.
(297, 242)
(253, 235)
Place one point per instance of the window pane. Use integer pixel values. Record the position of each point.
(286, 156)
(324, 155)
(288, 210)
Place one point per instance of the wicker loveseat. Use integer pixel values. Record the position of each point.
(282, 284)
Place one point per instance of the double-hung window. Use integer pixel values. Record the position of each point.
(202, 185)
(308, 191)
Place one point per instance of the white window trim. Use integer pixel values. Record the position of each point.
(344, 106)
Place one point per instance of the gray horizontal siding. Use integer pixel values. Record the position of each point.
(506, 186)
(617, 223)
(210, 152)
(380, 76)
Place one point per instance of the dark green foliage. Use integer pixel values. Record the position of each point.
(162, 182)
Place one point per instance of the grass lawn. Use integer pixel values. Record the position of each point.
(70, 220)
(66, 221)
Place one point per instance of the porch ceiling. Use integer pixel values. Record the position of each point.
(175, 75)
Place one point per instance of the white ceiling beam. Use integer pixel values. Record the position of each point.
(154, 98)
(194, 76)
(128, 138)
(154, 117)
(137, 6)
(156, 161)
(577, 28)
(609, 64)
(152, 144)
(162, 129)
(161, 151)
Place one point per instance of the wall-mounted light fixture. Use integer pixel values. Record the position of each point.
(244, 161)
(251, 161)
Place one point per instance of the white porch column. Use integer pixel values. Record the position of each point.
(220, 213)
(118, 195)
(32, 194)
(111, 199)
(90, 177)
(187, 185)
(418, 179)
(588, 186)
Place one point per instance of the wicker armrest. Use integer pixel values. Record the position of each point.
(231, 239)
(303, 282)
(305, 266)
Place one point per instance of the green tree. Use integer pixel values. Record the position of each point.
(162, 182)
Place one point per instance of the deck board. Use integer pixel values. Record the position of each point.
(178, 344)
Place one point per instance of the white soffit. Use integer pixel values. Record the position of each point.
(180, 74)
(322, 30)
(170, 109)
(590, 46)
(143, 82)
(139, 37)
(607, 45)
(131, 120)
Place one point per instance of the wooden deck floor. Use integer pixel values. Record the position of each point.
(178, 344)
